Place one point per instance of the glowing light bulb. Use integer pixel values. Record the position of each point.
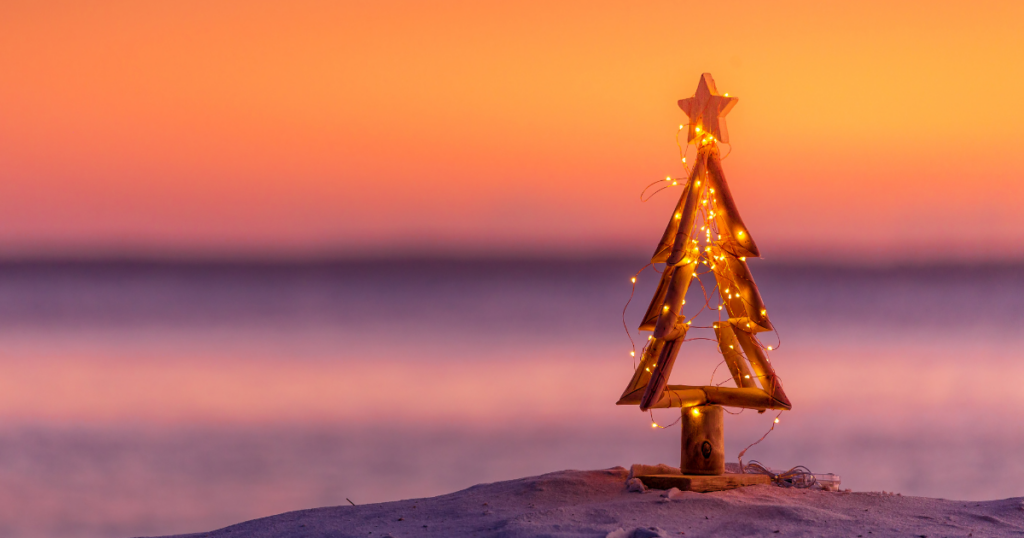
(654, 425)
(633, 280)
(743, 258)
(740, 233)
(668, 178)
(769, 348)
(695, 411)
(684, 159)
(746, 376)
(665, 309)
(776, 421)
(632, 353)
(719, 307)
(684, 301)
(698, 183)
(730, 347)
(675, 182)
(680, 126)
(727, 95)
(697, 129)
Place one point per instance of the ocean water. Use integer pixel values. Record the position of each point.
(158, 398)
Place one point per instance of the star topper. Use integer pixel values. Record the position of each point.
(707, 110)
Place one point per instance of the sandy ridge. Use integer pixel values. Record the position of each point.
(596, 504)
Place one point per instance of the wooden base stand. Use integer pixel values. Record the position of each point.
(703, 456)
(703, 483)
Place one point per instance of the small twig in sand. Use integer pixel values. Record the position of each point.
(350, 501)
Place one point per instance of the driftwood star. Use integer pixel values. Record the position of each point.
(707, 110)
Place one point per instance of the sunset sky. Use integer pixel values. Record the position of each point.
(865, 131)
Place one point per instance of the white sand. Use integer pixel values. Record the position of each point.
(596, 504)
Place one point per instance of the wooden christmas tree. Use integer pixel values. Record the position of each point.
(719, 246)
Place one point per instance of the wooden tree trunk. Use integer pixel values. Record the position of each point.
(703, 448)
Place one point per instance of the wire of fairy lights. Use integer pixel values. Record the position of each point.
(709, 225)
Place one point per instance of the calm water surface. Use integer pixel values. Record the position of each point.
(141, 399)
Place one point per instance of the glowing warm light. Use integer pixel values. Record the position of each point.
(740, 233)
(743, 258)
(747, 376)
(697, 129)
(776, 421)
(769, 348)
(726, 95)
(695, 411)
(668, 178)
(665, 308)
(655, 424)
(632, 353)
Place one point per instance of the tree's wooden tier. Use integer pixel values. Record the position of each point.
(728, 243)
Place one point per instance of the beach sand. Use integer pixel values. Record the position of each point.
(597, 504)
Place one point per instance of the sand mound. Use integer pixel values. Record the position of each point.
(596, 504)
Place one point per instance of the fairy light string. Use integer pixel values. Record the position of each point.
(710, 216)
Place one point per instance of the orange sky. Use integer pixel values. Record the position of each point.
(865, 130)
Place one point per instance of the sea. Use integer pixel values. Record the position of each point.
(143, 398)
